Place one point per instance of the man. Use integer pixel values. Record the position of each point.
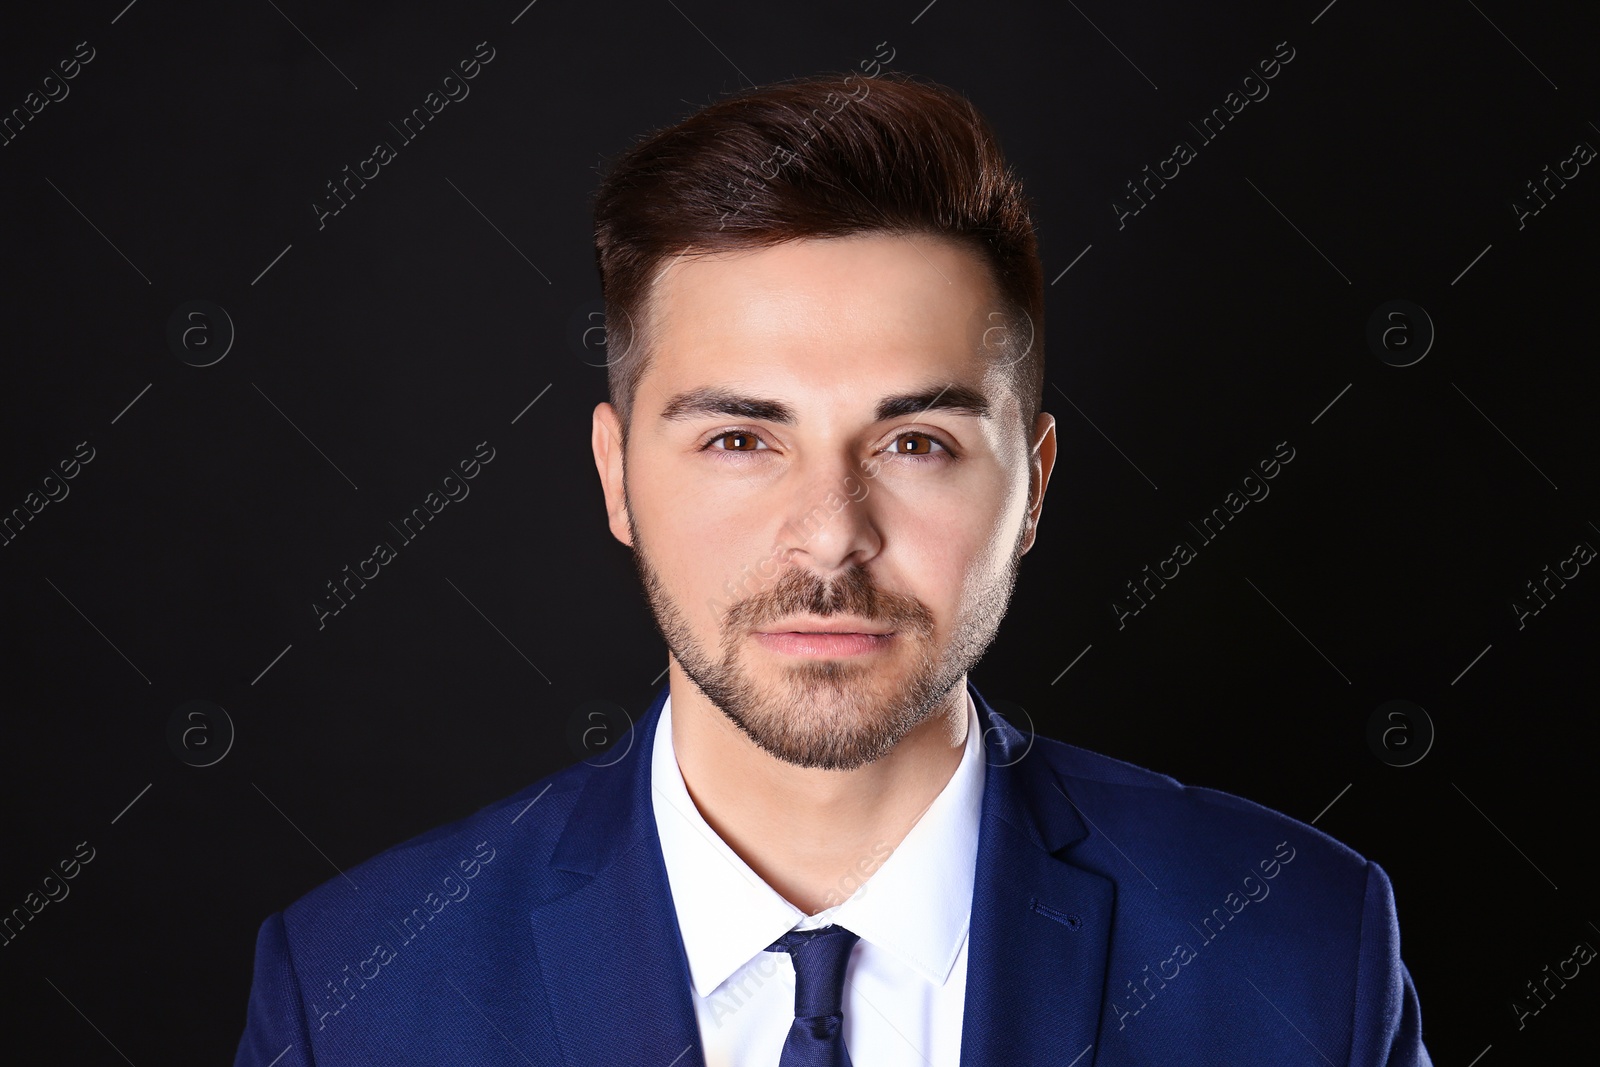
(820, 845)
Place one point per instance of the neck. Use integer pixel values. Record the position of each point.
(812, 835)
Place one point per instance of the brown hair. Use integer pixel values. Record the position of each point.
(823, 156)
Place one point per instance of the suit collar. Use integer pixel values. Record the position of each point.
(611, 962)
(1041, 926)
(613, 811)
(617, 977)
(1021, 788)
(1025, 793)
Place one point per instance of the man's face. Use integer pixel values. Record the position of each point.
(822, 441)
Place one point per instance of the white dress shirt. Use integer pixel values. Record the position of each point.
(905, 987)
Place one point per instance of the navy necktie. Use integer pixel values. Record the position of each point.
(816, 1038)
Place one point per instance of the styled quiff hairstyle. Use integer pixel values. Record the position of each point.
(816, 157)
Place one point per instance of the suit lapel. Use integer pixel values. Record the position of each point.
(1041, 928)
(613, 966)
(610, 955)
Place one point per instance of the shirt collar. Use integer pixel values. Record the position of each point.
(916, 906)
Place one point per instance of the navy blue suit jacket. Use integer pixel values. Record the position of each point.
(1118, 917)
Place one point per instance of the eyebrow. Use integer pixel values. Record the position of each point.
(954, 398)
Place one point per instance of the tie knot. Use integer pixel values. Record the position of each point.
(820, 959)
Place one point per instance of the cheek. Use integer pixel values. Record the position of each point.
(699, 542)
(947, 550)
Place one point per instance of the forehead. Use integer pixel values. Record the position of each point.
(837, 317)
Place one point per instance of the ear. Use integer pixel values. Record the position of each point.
(1041, 461)
(606, 440)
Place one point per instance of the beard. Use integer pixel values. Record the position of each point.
(830, 714)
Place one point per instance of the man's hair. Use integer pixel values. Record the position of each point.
(822, 156)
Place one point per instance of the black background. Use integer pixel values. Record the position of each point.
(377, 351)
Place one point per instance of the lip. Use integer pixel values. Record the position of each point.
(824, 645)
(826, 626)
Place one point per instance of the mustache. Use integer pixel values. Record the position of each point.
(798, 591)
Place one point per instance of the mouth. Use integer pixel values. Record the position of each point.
(826, 643)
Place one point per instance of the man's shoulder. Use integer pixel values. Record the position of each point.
(362, 958)
(420, 877)
(1166, 825)
(1228, 910)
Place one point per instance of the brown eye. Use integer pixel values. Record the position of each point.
(925, 447)
(733, 442)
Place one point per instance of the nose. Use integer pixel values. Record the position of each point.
(828, 517)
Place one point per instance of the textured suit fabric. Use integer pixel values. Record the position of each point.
(1118, 918)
